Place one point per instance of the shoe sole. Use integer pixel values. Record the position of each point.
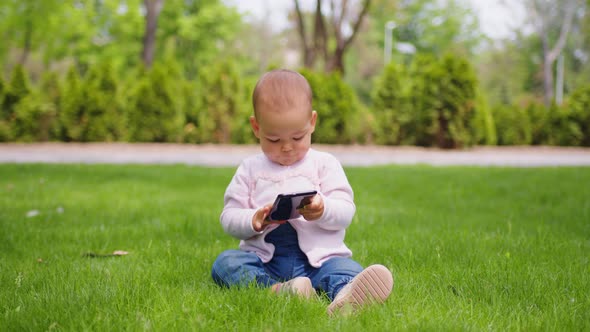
(372, 285)
(305, 288)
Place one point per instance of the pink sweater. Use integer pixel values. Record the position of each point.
(258, 181)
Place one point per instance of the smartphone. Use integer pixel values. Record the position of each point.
(286, 205)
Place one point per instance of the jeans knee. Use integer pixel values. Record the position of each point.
(232, 266)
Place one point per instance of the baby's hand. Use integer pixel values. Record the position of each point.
(259, 221)
(314, 209)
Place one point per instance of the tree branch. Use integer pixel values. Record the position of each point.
(357, 24)
(302, 34)
(565, 29)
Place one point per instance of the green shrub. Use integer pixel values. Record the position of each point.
(72, 113)
(17, 89)
(35, 119)
(390, 106)
(90, 109)
(579, 106)
(5, 134)
(513, 125)
(105, 117)
(539, 119)
(335, 103)
(434, 104)
(222, 112)
(565, 129)
(457, 96)
(483, 122)
(155, 110)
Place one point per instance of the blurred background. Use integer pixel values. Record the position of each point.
(439, 73)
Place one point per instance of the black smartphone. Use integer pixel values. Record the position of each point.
(286, 205)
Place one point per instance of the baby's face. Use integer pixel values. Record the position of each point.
(285, 136)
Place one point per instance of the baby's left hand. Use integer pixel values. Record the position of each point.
(314, 209)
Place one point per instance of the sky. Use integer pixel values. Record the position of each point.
(496, 20)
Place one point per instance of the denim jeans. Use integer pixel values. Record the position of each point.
(240, 268)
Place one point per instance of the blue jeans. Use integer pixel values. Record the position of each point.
(240, 268)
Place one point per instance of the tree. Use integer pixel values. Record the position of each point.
(153, 9)
(340, 18)
(552, 22)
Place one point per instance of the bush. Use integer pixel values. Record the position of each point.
(335, 103)
(72, 113)
(483, 122)
(456, 92)
(579, 106)
(155, 110)
(438, 107)
(222, 112)
(390, 107)
(35, 119)
(513, 125)
(91, 110)
(17, 89)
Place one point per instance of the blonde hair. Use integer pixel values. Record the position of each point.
(282, 89)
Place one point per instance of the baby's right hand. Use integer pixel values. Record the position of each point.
(259, 221)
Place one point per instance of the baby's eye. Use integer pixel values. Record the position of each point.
(298, 138)
(273, 140)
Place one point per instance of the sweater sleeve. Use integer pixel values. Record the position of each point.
(337, 194)
(236, 217)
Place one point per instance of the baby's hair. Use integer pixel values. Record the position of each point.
(281, 89)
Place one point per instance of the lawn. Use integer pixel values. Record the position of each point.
(471, 248)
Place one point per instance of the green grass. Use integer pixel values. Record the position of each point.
(471, 249)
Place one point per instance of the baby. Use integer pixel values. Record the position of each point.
(306, 254)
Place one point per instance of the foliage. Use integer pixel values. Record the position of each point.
(17, 89)
(221, 115)
(35, 119)
(155, 111)
(457, 93)
(200, 30)
(513, 125)
(391, 107)
(579, 108)
(90, 109)
(71, 115)
(335, 103)
(483, 122)
(437, 109)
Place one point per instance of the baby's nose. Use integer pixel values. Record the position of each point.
(286, 147)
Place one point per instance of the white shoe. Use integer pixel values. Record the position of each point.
(300, 286)
(373, 284)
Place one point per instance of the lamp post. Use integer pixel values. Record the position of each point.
(389, 26)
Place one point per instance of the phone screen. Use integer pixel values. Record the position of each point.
(286, 205)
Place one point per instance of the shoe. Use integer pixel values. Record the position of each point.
(372, 285)
(300, 286)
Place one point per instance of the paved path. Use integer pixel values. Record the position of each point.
(231, 155)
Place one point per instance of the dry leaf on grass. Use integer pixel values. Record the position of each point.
(115, 253)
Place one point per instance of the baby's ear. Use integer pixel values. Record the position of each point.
(255, 126)
(314, 118)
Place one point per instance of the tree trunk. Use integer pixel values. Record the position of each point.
(318, 46)
(550, 54)
(336, 61)
(307, 50)
(153, 9)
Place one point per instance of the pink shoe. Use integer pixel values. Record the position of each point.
(372, 285)
(300, 286)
